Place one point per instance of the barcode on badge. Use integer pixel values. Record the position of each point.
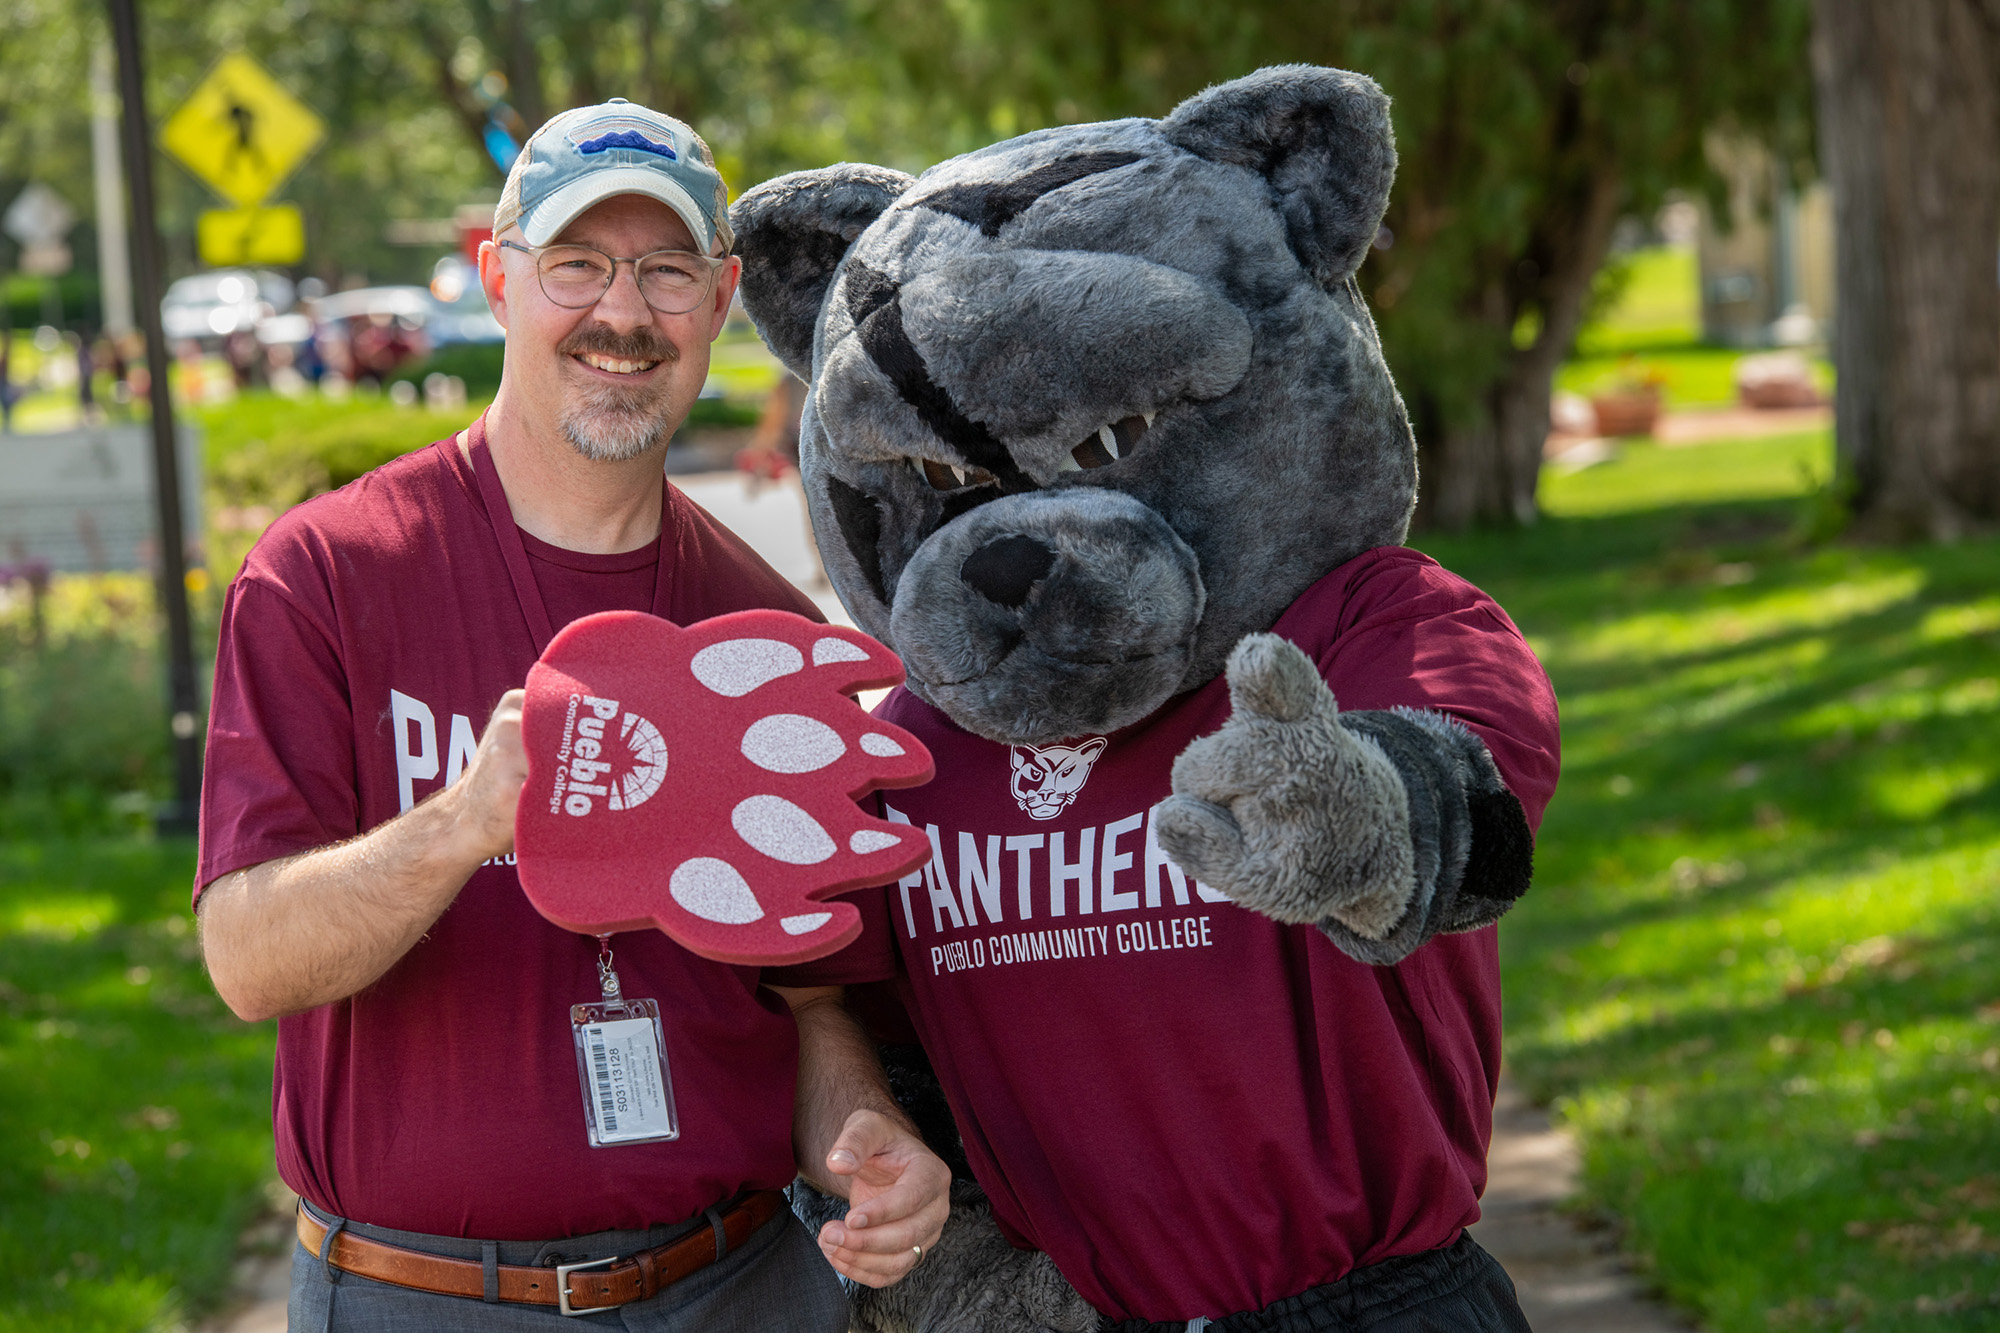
(600, 1065)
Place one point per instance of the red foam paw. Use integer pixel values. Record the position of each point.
(703, 780)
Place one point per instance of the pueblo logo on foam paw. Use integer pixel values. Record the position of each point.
(704, 780)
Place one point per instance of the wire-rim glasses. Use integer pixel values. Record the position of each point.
(576, 277)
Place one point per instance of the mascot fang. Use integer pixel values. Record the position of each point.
(1232, 786)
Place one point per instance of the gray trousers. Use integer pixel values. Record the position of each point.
(775, 1282)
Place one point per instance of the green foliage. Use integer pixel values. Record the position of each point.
(135, 1132)
(265, 450)
(478, 364)
(405, 86)
(1524, 130)
(1755, 971)
(83, 732)
(67, 302)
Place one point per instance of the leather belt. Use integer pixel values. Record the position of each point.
(585, 1288)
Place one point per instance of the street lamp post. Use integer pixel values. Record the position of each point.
(183, 700)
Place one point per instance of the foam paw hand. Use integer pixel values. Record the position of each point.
(1285, 810)
(703, 780)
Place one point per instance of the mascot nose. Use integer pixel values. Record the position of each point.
(1006, 568)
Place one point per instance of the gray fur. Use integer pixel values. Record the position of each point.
(1019, 339)
(971, 1281)
(1104, 636)
(1287, 811)
(1321, 136)
(1360, 823)
(1195, 279)
(800, 220)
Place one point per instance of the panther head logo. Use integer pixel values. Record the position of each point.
(1048, 777)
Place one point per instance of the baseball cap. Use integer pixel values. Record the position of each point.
(590, 153)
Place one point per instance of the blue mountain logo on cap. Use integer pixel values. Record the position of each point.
(623, 132)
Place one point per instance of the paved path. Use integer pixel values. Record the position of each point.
(1570, 1281)
(1567, 451)
(263, 1275)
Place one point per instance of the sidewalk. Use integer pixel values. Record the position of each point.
(1569, 451)
(1569, 1280)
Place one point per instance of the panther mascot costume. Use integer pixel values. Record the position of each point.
(1232, 785)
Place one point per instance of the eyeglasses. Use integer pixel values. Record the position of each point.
(577, 276)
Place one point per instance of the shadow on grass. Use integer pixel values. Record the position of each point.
(1757, 972)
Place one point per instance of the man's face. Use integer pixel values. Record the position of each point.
(617, 377)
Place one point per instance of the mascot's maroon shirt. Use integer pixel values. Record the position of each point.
(362, 649)
(1194, 1109)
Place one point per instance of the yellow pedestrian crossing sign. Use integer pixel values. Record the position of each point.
(271, 234)
(241, 132)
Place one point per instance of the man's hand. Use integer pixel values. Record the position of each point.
(900, 1196)
(484, 798)
(295, 933)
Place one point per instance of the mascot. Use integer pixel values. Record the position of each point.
(1232, 785)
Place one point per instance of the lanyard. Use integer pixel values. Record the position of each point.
(526, 591)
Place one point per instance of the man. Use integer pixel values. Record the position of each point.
(356, 839)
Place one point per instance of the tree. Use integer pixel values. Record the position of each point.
(1909, 120)
(405, 87)
(1526, 128)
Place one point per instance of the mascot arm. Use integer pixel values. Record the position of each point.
(1380, 828)
(972, 1281)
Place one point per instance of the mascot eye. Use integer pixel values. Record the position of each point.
(950, 477)
(1110, 443)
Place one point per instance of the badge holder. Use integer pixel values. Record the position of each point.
(621, 1061)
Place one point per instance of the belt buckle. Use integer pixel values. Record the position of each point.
(562, 1286)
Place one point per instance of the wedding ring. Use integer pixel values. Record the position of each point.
(919, 1250)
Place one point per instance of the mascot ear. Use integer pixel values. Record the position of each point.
(1321, 137)
(792, 233)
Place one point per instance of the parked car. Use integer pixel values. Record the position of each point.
(462, 315)
(208, 307)
(383, 327)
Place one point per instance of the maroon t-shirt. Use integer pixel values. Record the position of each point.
(1194, 1109)
(362, 649)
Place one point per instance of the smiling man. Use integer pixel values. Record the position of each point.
(356, 878)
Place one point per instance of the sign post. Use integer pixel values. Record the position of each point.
(242, 133)
(40, 220)
(267, 234)
(184, 702)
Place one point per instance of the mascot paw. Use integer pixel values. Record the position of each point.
(1285, 810)
(971, 1281)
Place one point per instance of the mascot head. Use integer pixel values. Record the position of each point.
(1091, 404)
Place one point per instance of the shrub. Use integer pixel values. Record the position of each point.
(83, 727)
(478, 364)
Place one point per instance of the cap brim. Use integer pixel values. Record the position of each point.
(546, 220)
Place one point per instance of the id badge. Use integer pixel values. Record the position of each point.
(621, 1061)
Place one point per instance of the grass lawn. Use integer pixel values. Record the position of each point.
(1759, 971)
(135, 1113)
(1651, 329)
(1656, 300)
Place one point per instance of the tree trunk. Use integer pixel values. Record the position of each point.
(1909, 122)
(1484, 471)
